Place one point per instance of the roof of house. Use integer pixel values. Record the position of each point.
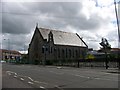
(63, 38)
(115, 49)
(10, 51)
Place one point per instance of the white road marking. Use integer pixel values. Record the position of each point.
(40, 82)
(30, 82)
(15, 76)
(59, 67)
(58, 87)
(15, 73)
(22, 79)
(10, 72)
(30, 78)
(88, 77)
(42, 87)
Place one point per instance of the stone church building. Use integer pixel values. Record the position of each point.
(55, 46)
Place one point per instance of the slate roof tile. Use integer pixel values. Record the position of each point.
(62, 38)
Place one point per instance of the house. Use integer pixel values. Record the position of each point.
(116, 53)
(55, 46)
(98, 56)
(9, 55)
(113, 54)
(115, 50)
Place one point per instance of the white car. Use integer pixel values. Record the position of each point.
(2, 61)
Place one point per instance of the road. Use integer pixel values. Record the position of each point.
(35, 76)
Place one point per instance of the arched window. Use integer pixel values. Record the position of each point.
(76, 53)
(66, 53)
(73, 53)
(42, 49)
(54, 49)
(50, 36)
(69, 53)
(58, 52)
(63, 53)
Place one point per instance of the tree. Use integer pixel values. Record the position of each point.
(106, 47)
(90, 57)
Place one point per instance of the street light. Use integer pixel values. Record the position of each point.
(118, 28)
(8, 48)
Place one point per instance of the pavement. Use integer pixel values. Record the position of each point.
(102, 69)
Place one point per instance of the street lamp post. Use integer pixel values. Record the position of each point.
(118, 28)
(8, 48)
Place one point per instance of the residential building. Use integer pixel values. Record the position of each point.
(9, 55)
(115, 52)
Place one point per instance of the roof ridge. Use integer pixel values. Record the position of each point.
(56, 30)
(9, 50)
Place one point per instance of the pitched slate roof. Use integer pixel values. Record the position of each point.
(10, 51)
(115, 49)
(63, 38)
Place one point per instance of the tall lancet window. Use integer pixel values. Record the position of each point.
(50, 36)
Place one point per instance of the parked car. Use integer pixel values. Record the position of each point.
(2, 61)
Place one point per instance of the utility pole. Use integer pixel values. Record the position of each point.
(118, 32)
(24, 55)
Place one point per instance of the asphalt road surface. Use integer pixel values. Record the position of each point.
(35, 76)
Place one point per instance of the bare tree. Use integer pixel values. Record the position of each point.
(106, 47)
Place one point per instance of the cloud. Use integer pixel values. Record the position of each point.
(16, 42)
(64, 13)
(84, 18)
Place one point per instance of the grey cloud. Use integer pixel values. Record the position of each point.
(62, 14)
(14, 25)
(94, 45)
(112, 36)
(67, 12)
(16, 42)
(15, 21)
(65, 9)
(22, 17)
(84, 24)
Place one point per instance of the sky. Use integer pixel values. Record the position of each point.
(91, 19)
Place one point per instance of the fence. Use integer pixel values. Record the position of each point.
(89, 63)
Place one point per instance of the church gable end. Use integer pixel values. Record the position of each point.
(34, 46)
